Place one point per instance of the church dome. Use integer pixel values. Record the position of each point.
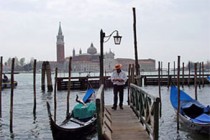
(91, 50)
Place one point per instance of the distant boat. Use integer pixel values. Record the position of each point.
(193, 114)
(79, 124)
(8, 84)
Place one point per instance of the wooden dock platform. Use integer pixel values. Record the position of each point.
(125, 125)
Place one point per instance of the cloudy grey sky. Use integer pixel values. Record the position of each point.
(165, 28)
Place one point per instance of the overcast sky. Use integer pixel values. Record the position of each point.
(165, 28)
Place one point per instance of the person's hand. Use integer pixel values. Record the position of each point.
(120, 80)
(117, 79)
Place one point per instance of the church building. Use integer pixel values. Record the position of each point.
(89, 61)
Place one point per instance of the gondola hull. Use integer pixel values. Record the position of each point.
(71, 128)
(193, 115)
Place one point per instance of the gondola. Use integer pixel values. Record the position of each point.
(77, 125)
(194, 115)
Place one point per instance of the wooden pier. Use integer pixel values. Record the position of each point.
(125, 125)
(139, 120)
(165, 79)
(80, 83)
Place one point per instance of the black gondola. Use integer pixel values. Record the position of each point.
(74, 127)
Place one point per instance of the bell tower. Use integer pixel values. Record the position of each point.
(60, 45)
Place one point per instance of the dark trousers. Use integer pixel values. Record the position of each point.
(119, 89)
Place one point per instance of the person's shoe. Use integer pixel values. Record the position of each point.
(114, 108)
(121, 107)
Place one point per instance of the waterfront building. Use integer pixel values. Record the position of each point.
(86, 62)
(89, 61)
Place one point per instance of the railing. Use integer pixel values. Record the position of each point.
(103, 116)
(81, 82)
(147, 108)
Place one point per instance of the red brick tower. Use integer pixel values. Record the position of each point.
(60, 45)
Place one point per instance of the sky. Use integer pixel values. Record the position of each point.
(166, 29)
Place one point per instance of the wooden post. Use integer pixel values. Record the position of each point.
(202, 74)
(189, 74)
(168, 75)
(183, 75)
(99, 111)
(34, 85)
(49, 79)
(199, 83)
(55, 89)
(195, 80)
(1, 69)
(178, 86)
(132, 74)
(129, 81)
(161, 71)
(159, 84)
(69, 87)
(156, 119)
(43, 76)
(174, 69)
(135, 47)
(11, 97)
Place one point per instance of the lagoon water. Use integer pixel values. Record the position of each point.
(26, 126)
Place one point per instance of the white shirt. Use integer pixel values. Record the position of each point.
(119, 78)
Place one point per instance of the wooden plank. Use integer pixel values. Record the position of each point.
(126, 126)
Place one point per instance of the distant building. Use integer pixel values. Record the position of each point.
(60, 45)
(86, 62)
(147, 64)
(89, 61)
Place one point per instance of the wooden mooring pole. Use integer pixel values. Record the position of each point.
(49, 79)
(174, 69)
(135, 48)
(183, 75)
(203, 74)
(43, 76)
(69, 87)
(195, 80)
(1, 69)
(11, 96)
(178, 85)
(169, 78)
(55, 96)
(189, 74)
(199, 83)
(46, 70)
(34, 86)
(129, 82)
(159, 85)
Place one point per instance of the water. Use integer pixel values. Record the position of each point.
(27, 126)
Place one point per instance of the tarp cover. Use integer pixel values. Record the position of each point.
(88, 94)
(81, 111)
(203, 118)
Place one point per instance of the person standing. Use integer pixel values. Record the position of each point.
(118, 78)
